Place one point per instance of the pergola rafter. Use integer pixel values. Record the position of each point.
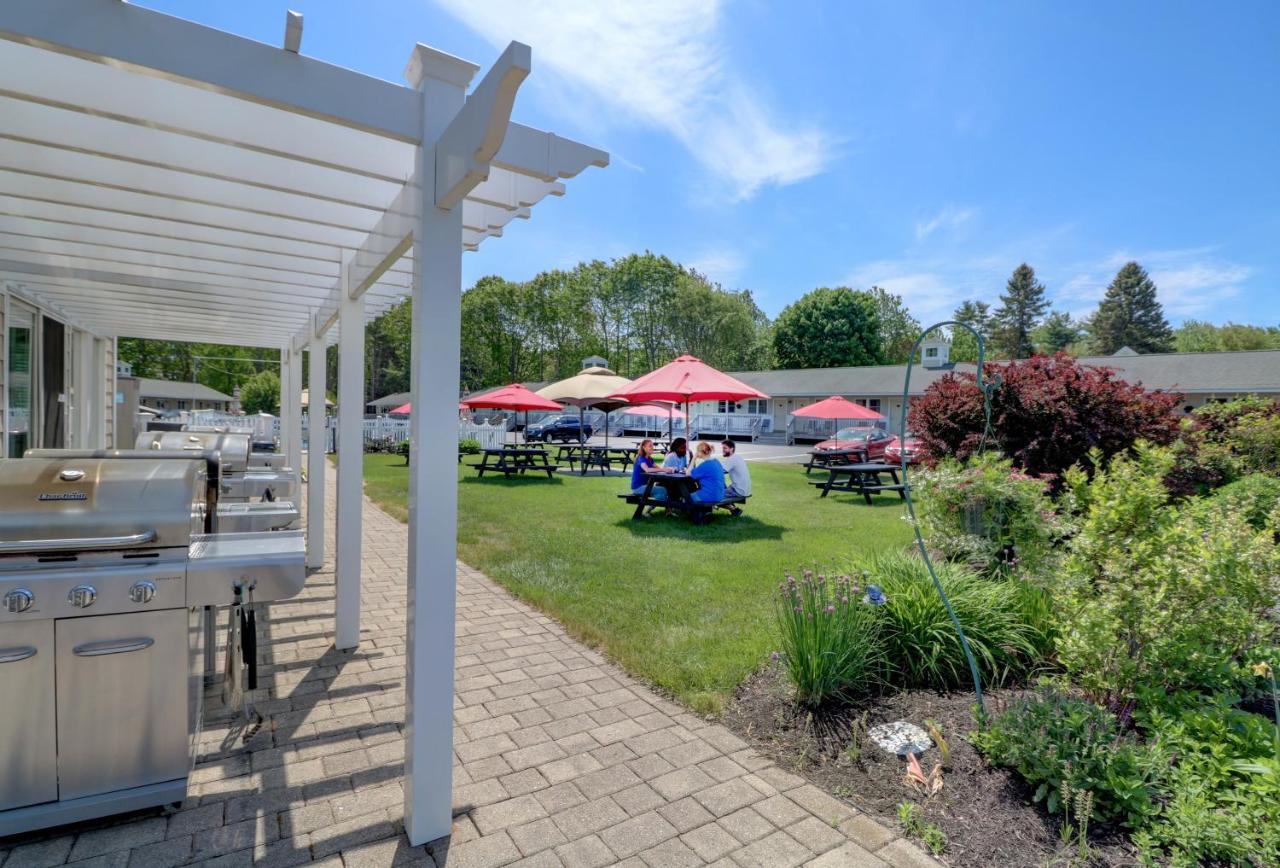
(166, 180)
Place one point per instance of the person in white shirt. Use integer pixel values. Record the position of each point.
(739, 477)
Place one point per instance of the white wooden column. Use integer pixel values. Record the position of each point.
(294, 454)
(433, 480)
(350, 466)
(315, 453)
(282, 418)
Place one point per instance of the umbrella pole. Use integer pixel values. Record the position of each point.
(606, 429)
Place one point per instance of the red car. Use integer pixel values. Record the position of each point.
(868, 442)
(894, 452)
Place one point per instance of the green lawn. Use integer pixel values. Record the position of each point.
(688, 608)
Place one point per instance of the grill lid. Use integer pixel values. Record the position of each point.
(82, 504)
(232, 448)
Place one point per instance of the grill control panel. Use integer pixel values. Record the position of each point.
(97, 590)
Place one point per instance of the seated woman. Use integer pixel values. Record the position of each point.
(640, 470)
(678, 456)
(709, 474)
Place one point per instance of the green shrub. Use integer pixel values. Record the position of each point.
(1154, 598)
(988, 515)
(1005, 620)
(1061, 744)
(1221, 792)
(1221, 442)
(1254, 498)
(402, 449)
(830, 638)
(469, 446)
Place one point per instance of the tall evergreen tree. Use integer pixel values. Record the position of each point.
(1130, 315)
(1058, 332)
(964, 346)
(1022, 307)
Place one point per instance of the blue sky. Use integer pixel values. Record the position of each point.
(928, 147)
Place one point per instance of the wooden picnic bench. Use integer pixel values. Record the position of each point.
(679, 488)
(511, 461)
(863, 478)
(603, 457)
(824, 458)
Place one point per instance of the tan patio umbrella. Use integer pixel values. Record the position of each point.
(590, 387)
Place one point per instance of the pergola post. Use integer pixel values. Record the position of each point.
(282, 418)
(350, 465)
(293, 436)
(315, 452)
(433, 483)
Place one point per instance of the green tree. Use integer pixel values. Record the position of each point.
(1197, 336)
(1057, 333)
(898, 328)
(827, 328)
(964, 346)
(1130, 315)
(261, 393)
(1022, 306)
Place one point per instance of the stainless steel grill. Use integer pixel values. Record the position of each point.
(244, 476)
(105, 566)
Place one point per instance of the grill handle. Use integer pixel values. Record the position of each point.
(77, 543)
(101, 649)
(13, 655)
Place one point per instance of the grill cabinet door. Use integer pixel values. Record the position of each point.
(28, 743)
(122, 701)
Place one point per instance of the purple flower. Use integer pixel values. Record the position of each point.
(830, 609)
(875, 596)
(844, 601)
(775, 656)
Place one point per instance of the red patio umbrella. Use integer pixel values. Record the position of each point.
(514, 397)
(684, 380)
(837, 408)
(406, 409)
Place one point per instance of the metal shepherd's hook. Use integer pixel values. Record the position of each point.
(988, 386)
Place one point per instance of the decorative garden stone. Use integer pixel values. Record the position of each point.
(901, 738)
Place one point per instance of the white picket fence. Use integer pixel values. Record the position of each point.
(380, 433)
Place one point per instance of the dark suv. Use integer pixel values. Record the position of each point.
(566, 429)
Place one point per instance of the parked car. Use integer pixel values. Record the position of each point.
(895, 451)
(566, 429)
(869, 443)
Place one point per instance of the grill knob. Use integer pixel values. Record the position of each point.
(18, 600)
(142, 592)
(82, 596)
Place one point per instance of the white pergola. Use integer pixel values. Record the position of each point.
(162, 179)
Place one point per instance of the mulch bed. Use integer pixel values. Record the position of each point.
(986, 813)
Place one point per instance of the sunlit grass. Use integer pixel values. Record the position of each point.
(686, 607)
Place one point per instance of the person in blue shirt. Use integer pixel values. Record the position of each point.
(641, 468)
(709, 474)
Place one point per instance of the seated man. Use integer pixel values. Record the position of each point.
(709, 474)
(739, 477)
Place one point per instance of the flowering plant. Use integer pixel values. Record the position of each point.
(830, 637)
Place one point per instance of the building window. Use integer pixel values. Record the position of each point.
(758, 406)
(930, 352)
(873, 404)
(727, 407)
(182, 405)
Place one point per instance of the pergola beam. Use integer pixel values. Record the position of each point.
(210, 59)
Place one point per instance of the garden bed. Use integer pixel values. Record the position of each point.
(986, 813)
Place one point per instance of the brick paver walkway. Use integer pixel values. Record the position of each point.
(560, 759)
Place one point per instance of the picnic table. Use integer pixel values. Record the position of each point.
(679, 487)
(863, 478)
(824, 458)
(603, 457)
(512, 460)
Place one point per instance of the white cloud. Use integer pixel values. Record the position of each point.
(930, 294)
(722, 263)
(661, 64)
(950, 217)
(1190, 282)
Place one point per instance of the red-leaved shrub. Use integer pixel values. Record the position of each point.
(1047, 414)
